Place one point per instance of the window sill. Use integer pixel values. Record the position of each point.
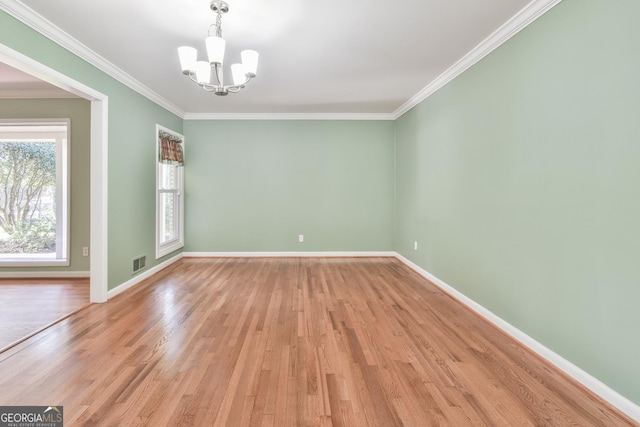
(32, 260)
(168, 248)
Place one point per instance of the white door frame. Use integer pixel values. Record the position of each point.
(99, 161)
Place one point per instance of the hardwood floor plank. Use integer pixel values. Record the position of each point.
(27, 306)
(290, 342)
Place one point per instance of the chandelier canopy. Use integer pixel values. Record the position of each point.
(200, 71)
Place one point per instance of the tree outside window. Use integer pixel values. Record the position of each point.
(34, 199)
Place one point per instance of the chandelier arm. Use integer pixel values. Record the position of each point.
(192, 77)
(237, 88)
(245, 82)
(207, 87)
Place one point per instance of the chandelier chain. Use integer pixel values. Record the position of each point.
(219, 24)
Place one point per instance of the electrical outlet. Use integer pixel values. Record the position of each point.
(415, 245)
(85, 251)
(300, 238)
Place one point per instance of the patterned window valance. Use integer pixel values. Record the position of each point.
(170, 149)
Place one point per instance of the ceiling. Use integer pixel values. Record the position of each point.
(18, 84)
(330, 57)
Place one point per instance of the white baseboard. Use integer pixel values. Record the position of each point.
(44, 274)
(346, 254)
(139, 278)
(595, 385)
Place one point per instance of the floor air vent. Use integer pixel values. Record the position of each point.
(139, 263)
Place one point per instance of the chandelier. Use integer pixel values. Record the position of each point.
(200, 71)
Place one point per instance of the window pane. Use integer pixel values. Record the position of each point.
(168, 217)
(168, 176)
(28, 198)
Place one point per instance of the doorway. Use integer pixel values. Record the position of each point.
(98, 161)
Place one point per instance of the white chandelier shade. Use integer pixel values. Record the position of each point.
(250, 61)
(200, 71)
(215, 49)
(203, 72)
(188, 56)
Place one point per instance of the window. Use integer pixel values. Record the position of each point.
(34, 188)
(169, 191)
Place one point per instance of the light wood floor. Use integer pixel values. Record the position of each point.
(289, 342)
(28, 305)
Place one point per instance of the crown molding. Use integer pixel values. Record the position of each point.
(289, 116)
(513, 26)
(37, 22)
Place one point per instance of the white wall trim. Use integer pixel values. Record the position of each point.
(596, 386)
(36, 21)
(513, 26)
(345, 254)
(289, 116)
(99, 200)
(44, 274)
(142, 276)
(28, 65)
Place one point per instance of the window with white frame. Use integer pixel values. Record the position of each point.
(169, 191)
(34, 192)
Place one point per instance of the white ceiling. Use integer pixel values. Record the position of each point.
(316, 57)
(18, 84)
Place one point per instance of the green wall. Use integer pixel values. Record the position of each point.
(131, 145)
(255, 186)
(519, 180)
(79, 111)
